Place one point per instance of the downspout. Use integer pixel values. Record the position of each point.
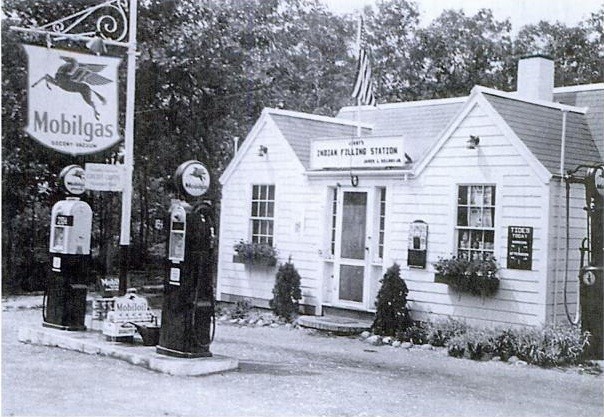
(560, 214)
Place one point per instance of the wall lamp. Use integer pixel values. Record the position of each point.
(262, 150)
(473, 142)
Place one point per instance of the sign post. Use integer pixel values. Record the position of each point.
(128, 149)
(89, 82)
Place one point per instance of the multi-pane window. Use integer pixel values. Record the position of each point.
(334, 212)
(263, 211)
(475, 221)
(382, 227)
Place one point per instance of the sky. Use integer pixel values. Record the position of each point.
(520, 12)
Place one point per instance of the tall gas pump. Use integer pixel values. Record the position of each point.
(188, 320)
(591, 273)
(70, 230)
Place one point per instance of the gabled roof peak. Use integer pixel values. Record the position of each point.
(405, 104)
(314, 117)
(514, 96)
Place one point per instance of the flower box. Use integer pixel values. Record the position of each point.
(256, 254)
(240, 259)
(470, 283)
(472, 277)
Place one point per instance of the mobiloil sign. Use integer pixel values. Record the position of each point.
(72, 100)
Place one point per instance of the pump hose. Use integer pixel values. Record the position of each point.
(213, 320)
(44, 304)
(573, 321)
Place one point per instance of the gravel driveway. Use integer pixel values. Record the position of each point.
(287, 372)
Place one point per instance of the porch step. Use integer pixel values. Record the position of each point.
(338, 325)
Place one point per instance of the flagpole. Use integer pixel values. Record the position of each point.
(358, 112)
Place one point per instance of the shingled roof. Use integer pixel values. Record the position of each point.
(540, 128)
(298, 129)
(591, 96)
(419, 122)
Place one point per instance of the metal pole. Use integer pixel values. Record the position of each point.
(128, 149)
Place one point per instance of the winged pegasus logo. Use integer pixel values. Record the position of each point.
(75, 77)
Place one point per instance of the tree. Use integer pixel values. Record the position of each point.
(392, 315)
(577, 51)
(458, 51)
(391, 36)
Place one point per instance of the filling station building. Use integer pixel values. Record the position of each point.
(345, 197)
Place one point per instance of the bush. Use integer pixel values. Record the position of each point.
(416, 333)
(474, 344)
(286, 292)
(552, 345)
(546, 346)
(241, 309)
(439, 332)
(392, 315)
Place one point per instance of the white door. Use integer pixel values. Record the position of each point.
(351, 256)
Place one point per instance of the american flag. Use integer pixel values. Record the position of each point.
(363, 87)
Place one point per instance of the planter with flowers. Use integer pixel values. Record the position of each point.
(477, 277)
(258, 254)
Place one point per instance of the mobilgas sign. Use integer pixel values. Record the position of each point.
(72, 100)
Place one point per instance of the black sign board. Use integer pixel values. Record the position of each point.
(520, 247)
(62, 220)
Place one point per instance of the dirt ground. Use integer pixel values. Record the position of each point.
(287, 372)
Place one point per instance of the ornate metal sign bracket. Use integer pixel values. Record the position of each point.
(110, 24)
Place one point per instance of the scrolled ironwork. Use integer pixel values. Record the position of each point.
(108, 20)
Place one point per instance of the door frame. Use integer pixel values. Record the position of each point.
(369, 248)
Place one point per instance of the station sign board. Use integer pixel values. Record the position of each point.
(72, 100)
(341, 153)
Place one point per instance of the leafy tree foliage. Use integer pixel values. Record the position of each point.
(206, 70)
(577, 51)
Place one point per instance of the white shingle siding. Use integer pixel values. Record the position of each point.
(557, 248)
(281, 168)
(433, 198)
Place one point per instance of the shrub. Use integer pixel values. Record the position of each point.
(392, 315)
(286, 292)
(474, 344)
(506, 344)
(552, 345)
(241, 309)
(415, 333)
(439, 332)
(545, 346)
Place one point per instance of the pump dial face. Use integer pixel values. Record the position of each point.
(73, 179)
(589, 278)
(193, 178)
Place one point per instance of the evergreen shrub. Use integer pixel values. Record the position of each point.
(392, 315)
(286, 292)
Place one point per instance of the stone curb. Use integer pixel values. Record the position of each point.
(93, 343)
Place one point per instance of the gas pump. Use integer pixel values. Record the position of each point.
(70, 230)
(591, 272)
(188, 321)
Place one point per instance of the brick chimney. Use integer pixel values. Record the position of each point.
(536, 78)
